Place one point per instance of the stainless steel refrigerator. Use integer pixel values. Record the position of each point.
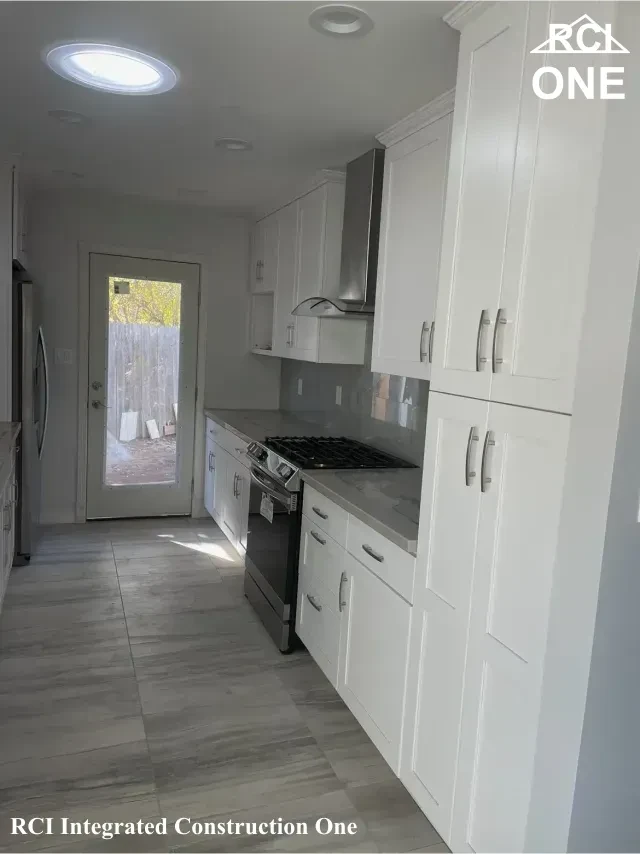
(30, 406)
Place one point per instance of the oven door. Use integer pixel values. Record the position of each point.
(273, 542)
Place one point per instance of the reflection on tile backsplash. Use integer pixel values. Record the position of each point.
(381, 409)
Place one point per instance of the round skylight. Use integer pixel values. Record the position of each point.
(112, 69)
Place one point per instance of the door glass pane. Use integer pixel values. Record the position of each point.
(143, 368)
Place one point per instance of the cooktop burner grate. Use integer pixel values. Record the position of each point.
(311, 452)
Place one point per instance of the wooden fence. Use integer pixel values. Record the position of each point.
(143, 374)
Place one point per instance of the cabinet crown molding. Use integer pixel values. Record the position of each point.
(431, 112)
(322, 176)
(465, 12)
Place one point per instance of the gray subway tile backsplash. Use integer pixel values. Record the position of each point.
(384, 410)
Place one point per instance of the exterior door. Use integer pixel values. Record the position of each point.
(442, 591)
(143, 324)
(415, 177)
(479, 191)
(522, 478)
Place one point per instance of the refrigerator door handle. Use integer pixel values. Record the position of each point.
(45, 365)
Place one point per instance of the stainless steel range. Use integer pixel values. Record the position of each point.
(275, 510)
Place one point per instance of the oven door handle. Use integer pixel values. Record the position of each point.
(265, 486)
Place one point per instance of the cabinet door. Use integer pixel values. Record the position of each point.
(374, 647)
(415, 174)
(284, 322)
(269, 270)
(257, 256)
(209, 476)
(483, 151)
(517, 531)
(243, 488)
(450, 508)
(312, 211)
(551, 223)
(220, 493)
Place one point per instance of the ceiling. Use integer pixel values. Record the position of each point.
(255, 70)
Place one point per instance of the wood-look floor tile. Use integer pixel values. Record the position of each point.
(306, 811)
(53, 618)
(392, 817)
(167, 567)
(110, 784)
(61, 569)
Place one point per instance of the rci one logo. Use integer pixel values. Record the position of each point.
(583, 36)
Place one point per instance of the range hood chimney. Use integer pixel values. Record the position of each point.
(360, 236)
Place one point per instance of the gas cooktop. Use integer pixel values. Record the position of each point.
(312, 452)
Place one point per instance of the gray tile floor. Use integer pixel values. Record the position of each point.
(137, 683)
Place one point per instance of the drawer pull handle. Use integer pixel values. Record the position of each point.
(318, 538)
(372, 553)
(341, 602)
(319, 513)
(313, 603)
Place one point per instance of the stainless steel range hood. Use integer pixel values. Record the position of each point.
(360, 235)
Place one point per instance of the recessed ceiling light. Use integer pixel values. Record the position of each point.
(110, 68)
(340, 20)
(233, 144)
(68, 117)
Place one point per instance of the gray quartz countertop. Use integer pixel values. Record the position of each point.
(387, 500)
(9, 431)
(255, 425)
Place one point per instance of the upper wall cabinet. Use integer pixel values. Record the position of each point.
(415, 174)
(521, 197)
(305, 238)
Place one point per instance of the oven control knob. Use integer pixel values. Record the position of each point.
(285, 471)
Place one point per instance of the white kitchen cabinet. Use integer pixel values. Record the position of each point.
(320, 597)
(284, 323)
(513, 575)
(236, 518)
(449, 511)
(209, 476)
(415, 176)
(309, 241)
(18, 217)
(221, 461)
(522, 190)
(491, 503)
(374, 648)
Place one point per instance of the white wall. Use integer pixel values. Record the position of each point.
(58, 223)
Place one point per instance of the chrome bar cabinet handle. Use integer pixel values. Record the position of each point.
(313, 603)
(489, 442)
(484, 321)
(431, 334)
(318, 538)
(341, 602)
(319, 513)
(366, 548)
(468, 474)
(424, 352)
(501, 321)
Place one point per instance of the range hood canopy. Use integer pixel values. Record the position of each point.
(360, 236)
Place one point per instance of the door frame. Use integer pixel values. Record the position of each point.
(85, 250)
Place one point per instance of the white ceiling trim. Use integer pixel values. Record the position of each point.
(431, 112)
(465, 12)
(322, 176)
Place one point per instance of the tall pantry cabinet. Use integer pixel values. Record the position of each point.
(521, 198)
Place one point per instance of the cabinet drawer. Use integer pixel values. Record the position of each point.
(321, 560)
(318, 626)
(227, 440)
(333, 520)
(386, 560)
